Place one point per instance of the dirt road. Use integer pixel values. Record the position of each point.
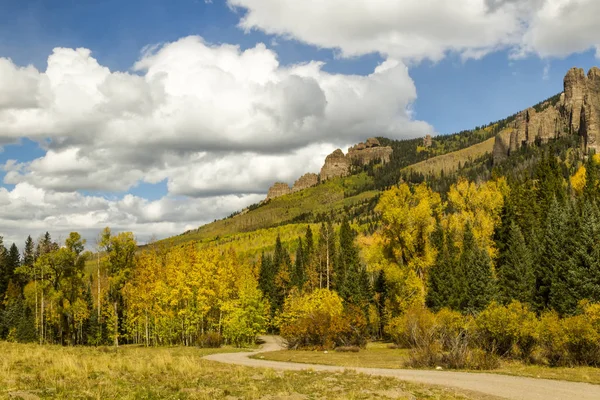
(508, 387)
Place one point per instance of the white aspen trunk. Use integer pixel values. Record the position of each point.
(327, 261)
(116, 325)
(42, 311)
(98, 286)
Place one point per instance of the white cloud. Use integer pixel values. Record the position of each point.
(218, 123)
(406, 29)
(413, 30)
(563, 27)
(30, 210)
(189, 103)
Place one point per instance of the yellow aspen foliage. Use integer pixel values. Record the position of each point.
(404, 288)
(408, 219)
(578, 180)
(478, 204)
(176, 296)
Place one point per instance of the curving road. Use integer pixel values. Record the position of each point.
(504, 386)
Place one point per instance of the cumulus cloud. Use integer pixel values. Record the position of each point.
(219, 124)
(428, 29)
(185, 103)
(563, 27)
(29, 210)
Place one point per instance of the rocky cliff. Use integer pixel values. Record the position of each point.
(371, 150)
(336, 164)
(305, 181)
(278, 189)
(576, 111)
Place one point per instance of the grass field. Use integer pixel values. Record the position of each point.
(330, 196)
(449, 162)
(30, 372)
(379, 355)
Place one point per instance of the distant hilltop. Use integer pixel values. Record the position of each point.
(336, 164)
(575, 111)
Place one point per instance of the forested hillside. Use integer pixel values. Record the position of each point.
(464, 265)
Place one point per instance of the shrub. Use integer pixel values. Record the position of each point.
(415, 328)
(573, 340)
(319, 320)
(508, 331)
(211, 340)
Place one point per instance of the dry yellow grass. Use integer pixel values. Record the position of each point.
(31, 372)
(449, 162)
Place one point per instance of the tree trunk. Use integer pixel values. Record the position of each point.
(98, 286)
(116, 325)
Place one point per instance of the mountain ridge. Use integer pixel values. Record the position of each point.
(355, 179)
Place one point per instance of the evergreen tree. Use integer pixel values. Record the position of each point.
(351, 279)
(516, 278)
(477, 283)
(442, 279)
(586, 276)
(13, 261)
(299, 274)
(5, 270)
(266, 278)
(309, 247)
(381, 293)
(553, 283)
(592, 185)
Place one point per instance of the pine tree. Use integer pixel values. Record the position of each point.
(381, 293)
(477, 280)
(442, 279)
(282, 267)
(591, 189)
(299, 274)
(553, 283)
(13, 261)
(586, 274)
(516, 278)
(266, 278)
(5, 270)
(351, 278)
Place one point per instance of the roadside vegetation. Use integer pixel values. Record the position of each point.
(31, 372)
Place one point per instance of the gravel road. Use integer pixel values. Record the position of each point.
(503, 386)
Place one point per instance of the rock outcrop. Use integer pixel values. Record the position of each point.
(575, 89)
(427, 141)
(305, 181)
(590, 118)
(576, 111)
(336, 164)
(278, 189)
(502, 145)
(364, 153)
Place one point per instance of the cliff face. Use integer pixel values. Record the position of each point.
(590, 118)
(336, 164)
(577, 112)
(364, 153)
(305, 181)
(278, 189)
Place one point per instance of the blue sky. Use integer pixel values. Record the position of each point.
(459, 75)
